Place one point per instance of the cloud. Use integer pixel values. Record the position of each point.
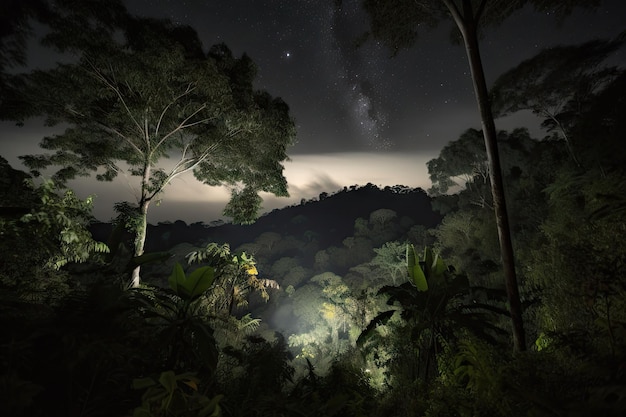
(307, 175)
(319, 184)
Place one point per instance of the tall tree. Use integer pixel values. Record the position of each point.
(461, 160)
(154, 103)
(396, 23)
(557, 84)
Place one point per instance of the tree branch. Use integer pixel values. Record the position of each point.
(188, 90)
(182, 125)
(116, 90)
(455, 12)
(146, 132)
(184, 165)
(116, 132)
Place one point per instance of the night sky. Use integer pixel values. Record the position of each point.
(362, 116)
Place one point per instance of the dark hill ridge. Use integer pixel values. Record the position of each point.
(331, 218)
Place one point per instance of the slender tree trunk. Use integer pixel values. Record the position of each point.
(470, 38)
(140, 240)
(140, 233)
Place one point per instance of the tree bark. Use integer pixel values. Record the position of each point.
(140, 233)
(470, 38)
(140, 241)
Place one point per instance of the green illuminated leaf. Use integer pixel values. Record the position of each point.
(199, 281)
(418, 278)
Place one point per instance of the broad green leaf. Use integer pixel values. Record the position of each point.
(419, 279)
(198, 282)
(369, 331)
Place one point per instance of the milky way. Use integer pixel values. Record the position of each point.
(352, 68)
(348, 99)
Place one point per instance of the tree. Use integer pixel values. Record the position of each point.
(336, 295)
(396, 23)
(390, 258)
(65, 19)
(156, 95)
(557, 84)
(238, 278)
(43, 229)
(463, 163)
(436, 306)
(382, 216)
(463, 158)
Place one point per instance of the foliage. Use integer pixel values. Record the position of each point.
(169, 396)
(557, 84)
(43, 229)
(183, 334)
(260, 372)
(464, 158)
(589, 293)
(434, 304)
(396, 23)
(237, 278)
(436, 348)
(390, 258)
(145, 90)
(62, 221)
(79, 356)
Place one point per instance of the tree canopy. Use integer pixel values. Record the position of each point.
(148, 101)
(557, 84)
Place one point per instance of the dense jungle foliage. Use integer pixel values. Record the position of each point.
(283, 325)
(387, 309)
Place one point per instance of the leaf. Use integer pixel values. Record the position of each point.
(191, 383)
(415, 271)
(168, 380)
(176, 278)
(411, 257)
(419, 279)
(438, 267)
(149, 258)
(428, 261)
(198, 282)
(367, 334)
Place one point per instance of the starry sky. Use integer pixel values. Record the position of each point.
(362, 115)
